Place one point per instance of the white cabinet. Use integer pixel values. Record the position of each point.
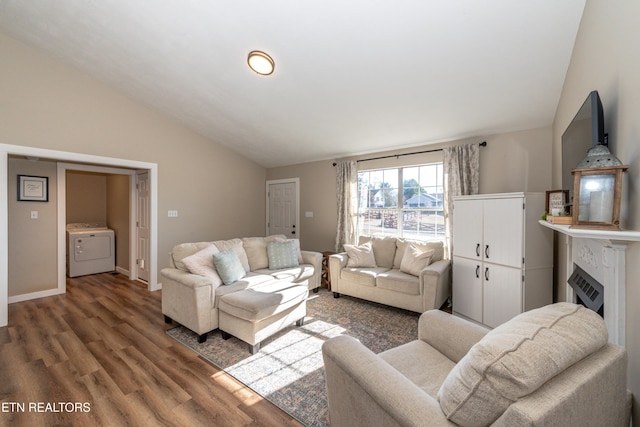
(502, 258)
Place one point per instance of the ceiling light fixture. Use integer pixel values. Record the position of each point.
(260, 62)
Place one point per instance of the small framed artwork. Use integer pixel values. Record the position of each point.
(556, 201)
(33, 188)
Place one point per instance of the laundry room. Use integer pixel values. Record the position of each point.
(35, 221)
(97, 218)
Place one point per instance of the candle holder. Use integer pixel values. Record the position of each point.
(597, 189)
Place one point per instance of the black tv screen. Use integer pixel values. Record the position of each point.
(586, 130)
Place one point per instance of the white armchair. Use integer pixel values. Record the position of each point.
(546, 367)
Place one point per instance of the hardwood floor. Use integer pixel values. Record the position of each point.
(99, 356)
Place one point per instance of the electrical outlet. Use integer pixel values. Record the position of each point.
(34, 214)
(172, 214)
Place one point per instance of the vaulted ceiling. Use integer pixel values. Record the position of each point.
(351, 76)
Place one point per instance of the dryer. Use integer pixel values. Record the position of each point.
(90, 249)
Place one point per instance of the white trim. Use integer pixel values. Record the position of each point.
(4, 239)
(585, 233)
(284, 181)
(34, 295)
(123, 271)
(63, 156)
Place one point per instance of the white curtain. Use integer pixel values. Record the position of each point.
(461, 176)
(347, 195)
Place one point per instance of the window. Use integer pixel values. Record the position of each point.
(403, 202)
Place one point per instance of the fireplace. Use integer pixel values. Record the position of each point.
(596, 268)
(588, 291)
(595, 259)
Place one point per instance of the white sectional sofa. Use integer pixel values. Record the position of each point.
(192, 288)
(391, 278)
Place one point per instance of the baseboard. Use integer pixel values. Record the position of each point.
(35, 295)
(123, 271)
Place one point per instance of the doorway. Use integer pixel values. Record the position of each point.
(143, 229)
(76, 158)
(123, 223)
(283, 207)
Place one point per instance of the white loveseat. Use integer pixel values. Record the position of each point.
(387, 282)
(191, 287)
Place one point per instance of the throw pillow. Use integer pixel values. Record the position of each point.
(516, 358)
(360, 256)
(282, 255)
(256, 250)
(298, 251)
(236, 245)
(229, 266)
(282, 238)
(384, 249)
(183, 250)
(415, 259)
(402, 244)
(201, 263)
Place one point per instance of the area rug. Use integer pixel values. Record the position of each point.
(288, 370)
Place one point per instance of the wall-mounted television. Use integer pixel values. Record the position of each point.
(586, 130)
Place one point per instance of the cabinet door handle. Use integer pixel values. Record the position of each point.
(486, 274)
(477, 271)
(486, 251)
(478, 249)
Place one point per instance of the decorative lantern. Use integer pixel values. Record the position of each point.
(597, 188)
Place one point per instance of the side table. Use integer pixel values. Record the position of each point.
(325, 277)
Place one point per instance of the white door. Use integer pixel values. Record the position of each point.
(467, 228)
(502, 294)
(504, 231)
(467, 288)
(283, 208)
(142, 225)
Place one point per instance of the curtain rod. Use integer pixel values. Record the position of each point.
(482, 144)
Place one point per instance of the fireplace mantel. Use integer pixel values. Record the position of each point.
(602, 253)
(610, 235)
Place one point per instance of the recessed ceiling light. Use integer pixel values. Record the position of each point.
(261, 63)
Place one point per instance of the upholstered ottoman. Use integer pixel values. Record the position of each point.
(255, 314)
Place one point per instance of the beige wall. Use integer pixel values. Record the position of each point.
(33, 264)
(86, 197)
(516, 161)
(605, 58)
(45, 104)
(317, 195)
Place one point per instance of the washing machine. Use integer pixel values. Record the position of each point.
(90, 249)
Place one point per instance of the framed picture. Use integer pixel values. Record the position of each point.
(33, 188)
(556, 201)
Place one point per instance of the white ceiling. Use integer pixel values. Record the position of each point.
(351, 77)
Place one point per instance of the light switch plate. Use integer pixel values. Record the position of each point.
(172, 214)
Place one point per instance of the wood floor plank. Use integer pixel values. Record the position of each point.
(152, 376)
(104, 344)
(78, 353)
(108, 401)
(121, 374)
